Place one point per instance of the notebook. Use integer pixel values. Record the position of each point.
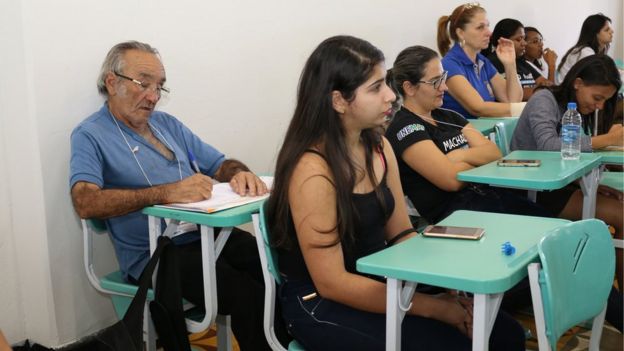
(223, 197)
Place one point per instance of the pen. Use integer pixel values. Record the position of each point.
(193, 162)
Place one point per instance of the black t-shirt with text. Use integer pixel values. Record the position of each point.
(407, 129)
(526, 73)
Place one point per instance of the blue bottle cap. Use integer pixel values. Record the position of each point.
(571, 105)
(508, 249)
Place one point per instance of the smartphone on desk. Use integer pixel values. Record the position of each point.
(445, 231)
(519, 163)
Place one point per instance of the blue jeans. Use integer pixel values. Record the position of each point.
(321, 324)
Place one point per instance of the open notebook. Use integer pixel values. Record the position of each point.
(223, 197)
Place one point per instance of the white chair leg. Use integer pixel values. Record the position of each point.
(538, 307)
(149, 332)
(594, 341)
(224, 333)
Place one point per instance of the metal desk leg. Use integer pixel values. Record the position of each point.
(224, 333)
(398, 302)
(485, 311)
(393, 315)
(589, 186)
(210, 281)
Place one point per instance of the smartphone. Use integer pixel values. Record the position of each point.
(519, 163)
(445, 231)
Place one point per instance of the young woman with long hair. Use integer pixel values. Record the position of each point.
(595, 38)
(337, 197)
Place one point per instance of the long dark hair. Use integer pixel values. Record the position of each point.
(505, 28)
(593, 70)
(340, 63)
(409, 66)
(588, 37)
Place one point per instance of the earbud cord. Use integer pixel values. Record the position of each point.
(134, 154)
(447, 123)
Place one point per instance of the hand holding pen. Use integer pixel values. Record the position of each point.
(195, 165)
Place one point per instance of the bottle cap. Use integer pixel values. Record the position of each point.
(571, 105)
(508, 249)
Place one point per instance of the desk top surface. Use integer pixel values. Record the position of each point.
(476, 266)
(553, 173)
(611, 156)
(226, 218)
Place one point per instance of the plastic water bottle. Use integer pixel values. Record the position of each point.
(571, 125)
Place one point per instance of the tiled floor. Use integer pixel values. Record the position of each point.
(207, 341)
(576, 339)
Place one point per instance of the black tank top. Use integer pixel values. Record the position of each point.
(370, 219)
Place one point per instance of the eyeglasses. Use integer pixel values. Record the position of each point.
(436, 82)
(144, 86)
(535, 41)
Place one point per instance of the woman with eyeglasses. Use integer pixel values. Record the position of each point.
(595, 38)
(433, 144)
(544, 60)
(337, 197)
(513, 30)
(476, 89)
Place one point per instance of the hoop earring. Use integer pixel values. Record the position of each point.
(462, 43)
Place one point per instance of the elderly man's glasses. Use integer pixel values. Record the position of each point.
(145, 86)
(437, 81)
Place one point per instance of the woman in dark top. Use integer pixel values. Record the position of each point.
(544, 60)
(337, 197)
(512, 29)
(434, 144)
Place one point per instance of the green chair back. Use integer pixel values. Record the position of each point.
(270, 267)
(270, 251)
(504, 131)
(578, 264)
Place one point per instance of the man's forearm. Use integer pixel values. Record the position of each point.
(228, 169)
(108, 203)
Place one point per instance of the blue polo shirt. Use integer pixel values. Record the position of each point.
(479, 74)
(100, 155)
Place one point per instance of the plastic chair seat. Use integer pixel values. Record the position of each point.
(116, 283)
(613, 180)
(295, 346)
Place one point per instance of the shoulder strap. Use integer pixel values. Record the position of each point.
(166, 310)
(316, 152)
(134, 315)
(382, 157)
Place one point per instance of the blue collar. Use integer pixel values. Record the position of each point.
(457, 52)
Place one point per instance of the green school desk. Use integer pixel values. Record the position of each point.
(554, 173)
(474, 266)
(211, 248)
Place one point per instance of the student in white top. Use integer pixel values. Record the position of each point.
(595, 38)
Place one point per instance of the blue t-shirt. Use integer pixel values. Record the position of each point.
(100, 155)
(478, 74)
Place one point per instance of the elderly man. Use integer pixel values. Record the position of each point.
(127, 156)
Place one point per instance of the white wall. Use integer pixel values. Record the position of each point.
(233, 67)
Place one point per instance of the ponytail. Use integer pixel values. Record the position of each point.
(444, 40)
